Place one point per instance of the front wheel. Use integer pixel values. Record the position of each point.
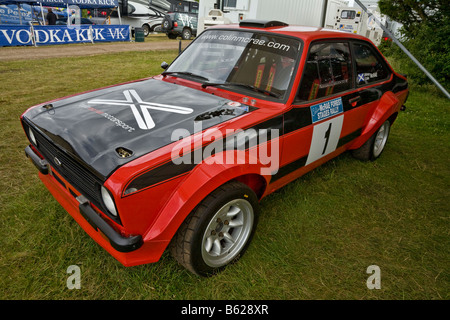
(146, 29)
(218, 231)
(373, 147)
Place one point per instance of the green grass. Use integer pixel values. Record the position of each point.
(316, 236)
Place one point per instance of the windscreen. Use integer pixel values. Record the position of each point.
(259, 63)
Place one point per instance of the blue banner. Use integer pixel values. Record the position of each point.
(9, 14)
(45, 35)
(15, 36)
(49, 35)
(108, 33)
(83, 4)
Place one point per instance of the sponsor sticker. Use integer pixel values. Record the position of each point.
(365, 77)
(234, 104)
(326, 109)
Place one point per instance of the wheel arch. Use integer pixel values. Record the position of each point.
(186, 198)
(156, 25)
(386, 109)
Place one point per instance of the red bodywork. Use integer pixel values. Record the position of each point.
(157, 212)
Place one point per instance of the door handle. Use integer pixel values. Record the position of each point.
(354, 101)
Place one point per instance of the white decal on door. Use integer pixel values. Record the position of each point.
(325, 138)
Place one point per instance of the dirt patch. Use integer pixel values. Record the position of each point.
(84, 49)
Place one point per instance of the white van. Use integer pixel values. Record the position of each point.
(139, 15)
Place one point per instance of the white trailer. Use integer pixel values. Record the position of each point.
(332, 14)
(296, 12)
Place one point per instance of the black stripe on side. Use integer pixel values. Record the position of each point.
(163, 173)
(297, 118)
(348, 138)
(170, 170)
(299, 163)
(289, 168)
(294, 119)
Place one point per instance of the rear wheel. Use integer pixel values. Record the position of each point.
(218, 231)
(373, 147)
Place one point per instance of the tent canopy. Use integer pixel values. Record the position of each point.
(83, 4)
(30, 2)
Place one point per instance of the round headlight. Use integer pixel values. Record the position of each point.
(32, 137)
(108, 201)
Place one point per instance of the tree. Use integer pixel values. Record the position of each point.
(413, 13)
(425, 33)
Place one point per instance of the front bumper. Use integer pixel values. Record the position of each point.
(116, 241)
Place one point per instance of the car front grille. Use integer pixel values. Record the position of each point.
(75, 173)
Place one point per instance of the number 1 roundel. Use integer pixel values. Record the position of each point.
(325, 134)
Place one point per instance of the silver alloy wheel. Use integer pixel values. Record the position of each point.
(381, 138)
(146, 29)
(227, 233)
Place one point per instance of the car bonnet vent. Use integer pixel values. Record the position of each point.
(262, 23)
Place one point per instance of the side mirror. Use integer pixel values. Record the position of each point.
(164, 65)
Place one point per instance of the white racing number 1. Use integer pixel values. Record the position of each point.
(325, 138)
(325, 134)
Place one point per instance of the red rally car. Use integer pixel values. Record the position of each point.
(181, 160)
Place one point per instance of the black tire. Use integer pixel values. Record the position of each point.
(172, 36)
(186, 34)
(146, 29)
(372, 148)
(225, 220)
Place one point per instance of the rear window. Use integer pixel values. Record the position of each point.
(187, 7)
(370, 67)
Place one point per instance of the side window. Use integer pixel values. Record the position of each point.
(369, 66)
(230, 3)
(327, 71)
(131, 9)
(348, 14)
(179, 7)
(194, 8)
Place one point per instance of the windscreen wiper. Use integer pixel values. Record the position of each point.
(185, 73)
(248, 86)
(214, 84)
